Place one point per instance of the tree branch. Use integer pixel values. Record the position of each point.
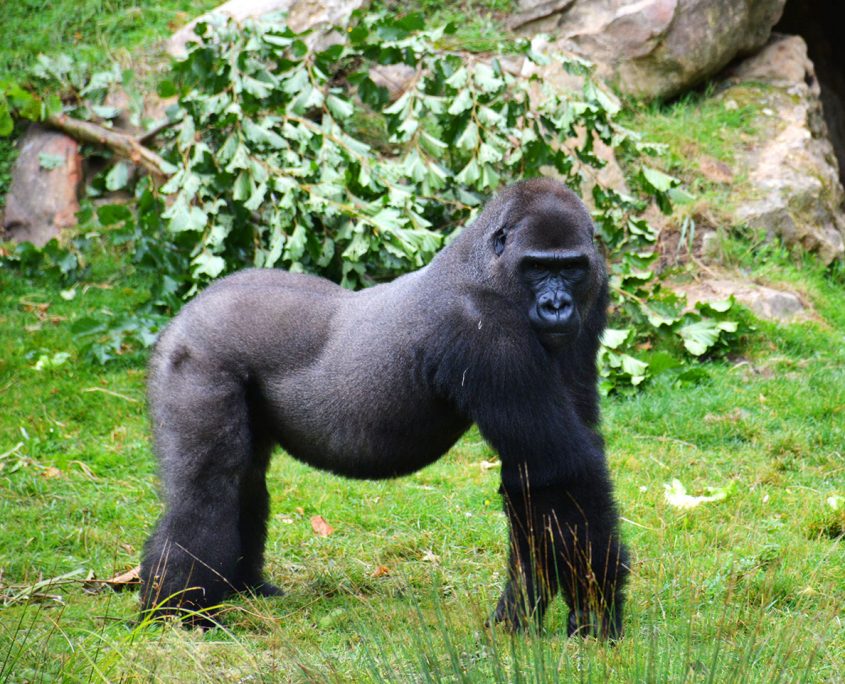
(123, 144)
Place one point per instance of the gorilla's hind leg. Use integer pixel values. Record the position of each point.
(252, 525)
(205, 446)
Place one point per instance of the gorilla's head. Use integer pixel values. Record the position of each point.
(540, 252)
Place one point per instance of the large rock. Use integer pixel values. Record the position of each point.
(766, 302)
(302, 15)
(42, 198)
(793, 176)
(658, 48)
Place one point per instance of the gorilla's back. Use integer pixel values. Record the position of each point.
(332, 375)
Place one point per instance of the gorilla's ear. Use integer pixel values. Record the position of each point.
(500, 237)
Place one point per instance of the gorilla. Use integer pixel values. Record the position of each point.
(501, 329)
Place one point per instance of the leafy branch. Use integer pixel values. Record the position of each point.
(283, 156)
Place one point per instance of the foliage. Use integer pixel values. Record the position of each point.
(270, 166)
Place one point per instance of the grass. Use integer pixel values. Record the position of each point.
(93, 30)
(702, 135)
(746, 589)
(479, 24)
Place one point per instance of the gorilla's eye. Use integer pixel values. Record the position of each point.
(499, 239)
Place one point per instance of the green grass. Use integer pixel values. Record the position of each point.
(93, 30)
(479, 24)
(746, 589)
(702, 136)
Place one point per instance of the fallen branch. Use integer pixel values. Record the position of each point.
(146, 136)
(123, 144)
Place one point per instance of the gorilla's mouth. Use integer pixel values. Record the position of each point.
(557, 318)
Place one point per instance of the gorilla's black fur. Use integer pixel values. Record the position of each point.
(501, 329)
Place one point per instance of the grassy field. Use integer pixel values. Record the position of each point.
(749, 588)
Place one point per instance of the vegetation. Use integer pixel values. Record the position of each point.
(746, 587)
(268, 164)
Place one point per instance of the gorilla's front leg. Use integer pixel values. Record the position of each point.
(565, 538)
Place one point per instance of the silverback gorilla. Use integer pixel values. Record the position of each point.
(501, 330)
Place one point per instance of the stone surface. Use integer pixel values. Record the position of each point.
(793, 174)
(397, 78)
(302, 14)
(528, 11)
(819, 22)
(765, 302)
(659, 48)
(42, 201)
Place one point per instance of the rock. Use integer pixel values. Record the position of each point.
(819, 23)
(529, 11)
(397, 78)
(793, 174)
(765, 302)
(42, 197)
(302, 15)
(659, 48)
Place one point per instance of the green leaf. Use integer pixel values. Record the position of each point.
(242, 187)
(257, 88)
(295, 247)
(110, 214)
(183, 217)
(662, 361)
(699, 336)
(635, 368)
(7, 124)
(613, 338)
(118, 177)
(205, 264)
(51, 161)
(461, 103)
(486, 79)
(459, 79)
(340, 108)
(256, 198)
(658, 180)
(468, 139)
(470, 173)
(106, 112)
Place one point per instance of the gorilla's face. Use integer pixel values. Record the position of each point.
(546, 251)
(556, 281)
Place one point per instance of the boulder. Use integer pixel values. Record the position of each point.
(302, 15)
(42, 198)
(533, 11)
(793, 177)
(658, 48)
(765, 302)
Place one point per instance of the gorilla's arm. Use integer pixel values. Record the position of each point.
(556, 488)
